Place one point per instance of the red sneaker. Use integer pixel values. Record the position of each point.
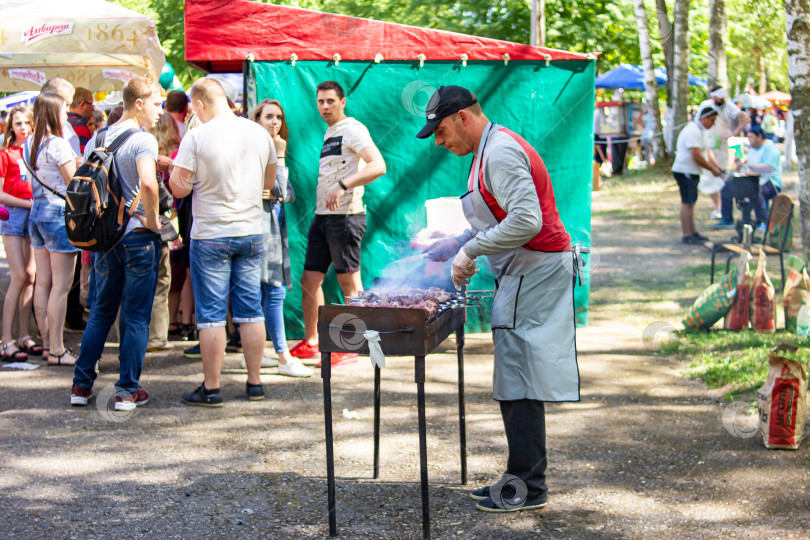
(342, 359)
(128, 403)
(80, 396)
(304, 350)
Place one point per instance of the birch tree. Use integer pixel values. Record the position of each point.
(717, 73)
(650, 83)
(797, 22)
(680, 70)
(667, 33)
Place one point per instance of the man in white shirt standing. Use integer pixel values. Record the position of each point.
(731, 122)
(336, 232)
(225, 164)
(692, 155)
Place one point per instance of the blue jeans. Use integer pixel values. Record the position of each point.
(227, 266)
(91, 282)
(126, 276)
(273, 306)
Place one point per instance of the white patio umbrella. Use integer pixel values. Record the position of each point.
(90, 43)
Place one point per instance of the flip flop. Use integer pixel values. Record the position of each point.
(59, 357)
(32, 350)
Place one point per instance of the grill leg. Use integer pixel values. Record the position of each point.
(462, 419)
(376, 422)
(420, 403)
(326, 375)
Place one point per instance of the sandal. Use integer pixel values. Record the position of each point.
(46, 353)
(18, 355)
(33, 349)
(59, 357)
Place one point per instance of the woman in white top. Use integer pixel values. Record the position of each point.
(52, 164)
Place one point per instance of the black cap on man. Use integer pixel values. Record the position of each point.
(445, 101)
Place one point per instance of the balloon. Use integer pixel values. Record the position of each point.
(166, 76)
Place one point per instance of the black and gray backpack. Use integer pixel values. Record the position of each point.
(96, 214)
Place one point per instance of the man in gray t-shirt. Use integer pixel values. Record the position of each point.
(126, 274)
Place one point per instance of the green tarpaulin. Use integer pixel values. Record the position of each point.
(551, 106)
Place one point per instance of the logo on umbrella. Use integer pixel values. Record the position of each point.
(46, 30)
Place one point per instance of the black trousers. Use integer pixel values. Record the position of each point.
(75, 310)
(524, 421)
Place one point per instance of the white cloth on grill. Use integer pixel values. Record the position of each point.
(374, 350)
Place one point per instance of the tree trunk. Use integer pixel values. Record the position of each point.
(667, 44)
(798, 43)
(538, 23)
(790, 146)
(763, 79)
(680, 71)
(541, 24)
(650, 84)
(717, 73)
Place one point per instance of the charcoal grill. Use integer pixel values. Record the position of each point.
(403, 332)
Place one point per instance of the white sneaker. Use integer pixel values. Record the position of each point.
(266, 362)
(294, 368)
(717, 214)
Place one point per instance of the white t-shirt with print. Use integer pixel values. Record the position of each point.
(693, 135)
(228, 156)
(339, 160)
(53, 152)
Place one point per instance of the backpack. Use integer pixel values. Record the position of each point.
(96, 214)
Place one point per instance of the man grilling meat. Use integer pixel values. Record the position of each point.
(510, 205)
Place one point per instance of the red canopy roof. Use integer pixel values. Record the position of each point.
(220, 35)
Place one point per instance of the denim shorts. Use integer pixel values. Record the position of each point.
(17, 224)
(227, 266)
(47, 228)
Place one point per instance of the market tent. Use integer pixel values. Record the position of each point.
(626, 76)
(776, 96)
(543, 94)
(631, 77)
(94, 44)
(751, 101)
(20, 98)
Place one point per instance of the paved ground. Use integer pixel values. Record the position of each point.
(645, 454)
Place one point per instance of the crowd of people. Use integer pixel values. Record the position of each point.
(703, 163)
(205, 255)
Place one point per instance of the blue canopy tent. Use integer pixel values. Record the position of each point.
(631, 77)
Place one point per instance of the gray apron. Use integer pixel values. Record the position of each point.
(532, 312)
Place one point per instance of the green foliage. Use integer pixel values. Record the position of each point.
(756, 28)
(604, 26)
(735, 359)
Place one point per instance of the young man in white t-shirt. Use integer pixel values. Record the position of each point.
(692, 155)
(225, 164)
(336, 232)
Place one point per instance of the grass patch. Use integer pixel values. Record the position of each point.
(723, 358)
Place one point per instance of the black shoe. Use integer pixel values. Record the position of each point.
(700, 237)
(202, 397)
(488, 505)
(184, 332)
(234, 344)
(691, 240)
(480, 493)
(193, 352)
(255, 392)
(77, 325)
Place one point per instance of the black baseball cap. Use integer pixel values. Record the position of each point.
(445, 101)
